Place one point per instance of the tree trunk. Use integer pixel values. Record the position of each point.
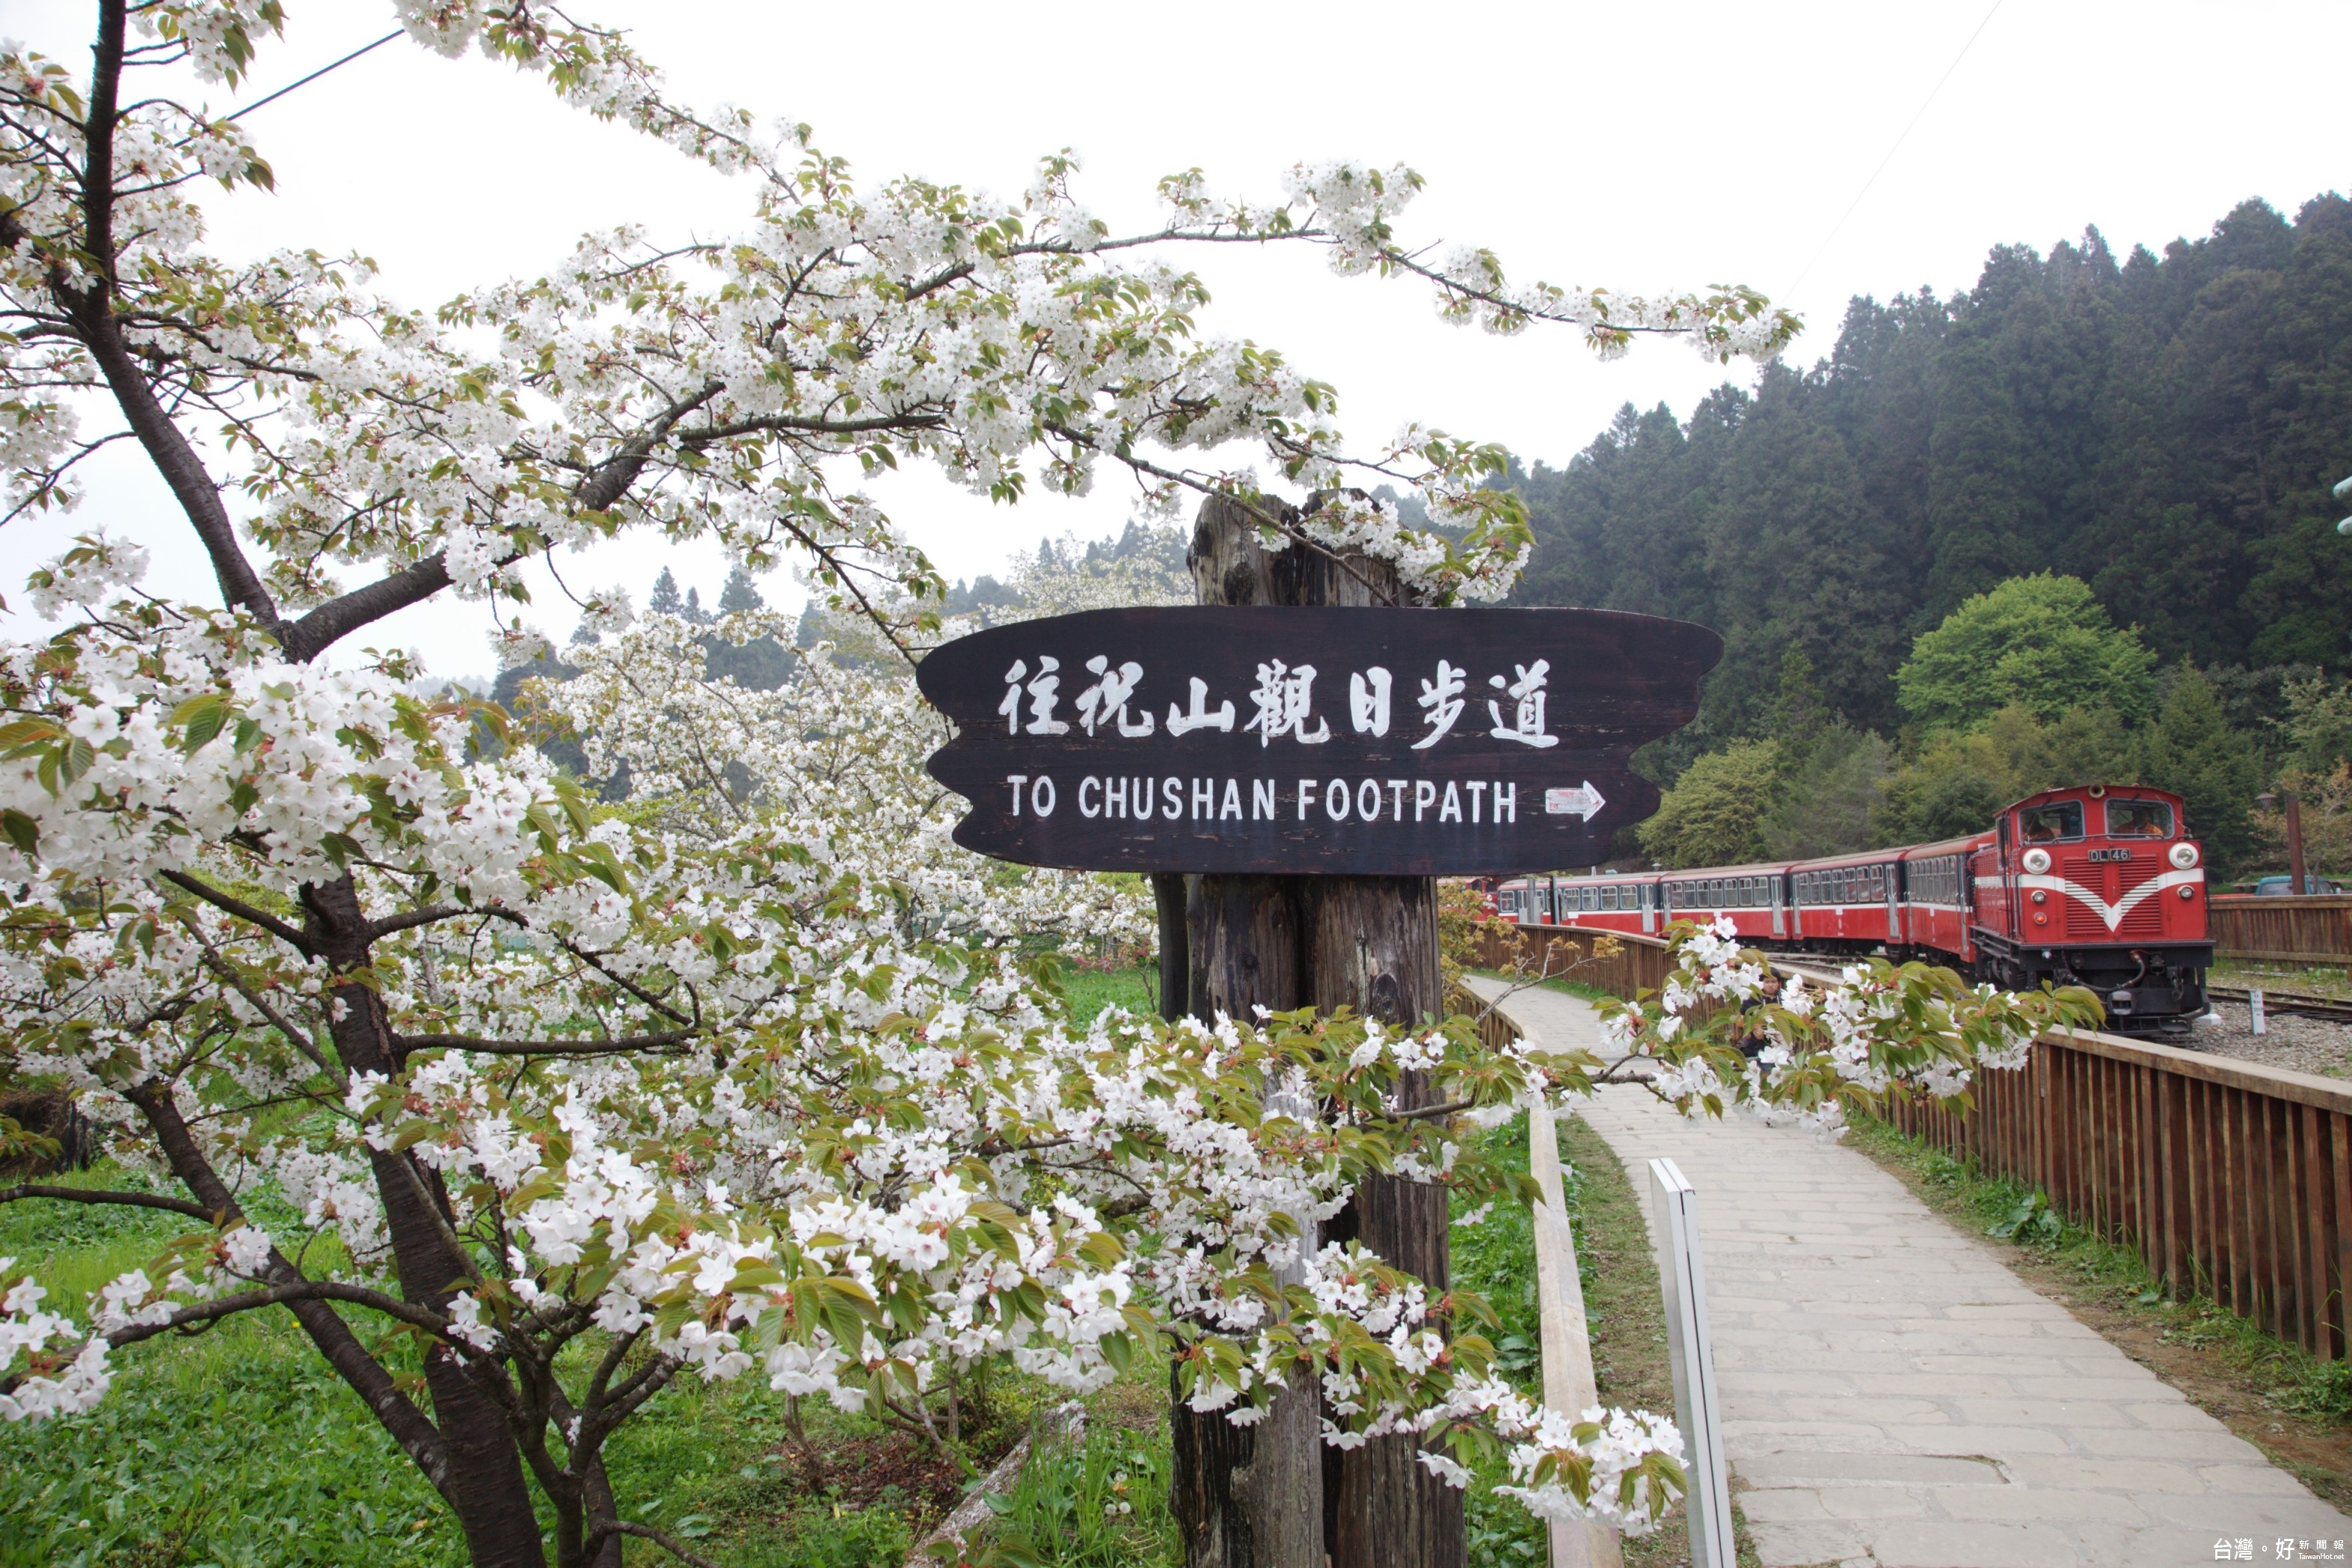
(1271, 1496)
(487, 1490)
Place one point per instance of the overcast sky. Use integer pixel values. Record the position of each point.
(1646, 148)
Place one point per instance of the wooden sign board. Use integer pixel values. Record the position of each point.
(1361, 742)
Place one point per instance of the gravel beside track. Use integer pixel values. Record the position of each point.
(2304, 1044)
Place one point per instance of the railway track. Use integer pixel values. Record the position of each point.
(2297, 1003)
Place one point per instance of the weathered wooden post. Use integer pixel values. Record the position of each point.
(1280, 942)
(1299, 842)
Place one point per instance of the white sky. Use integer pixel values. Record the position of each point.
(1666, 146)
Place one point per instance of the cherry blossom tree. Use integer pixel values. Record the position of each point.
(744, 1075)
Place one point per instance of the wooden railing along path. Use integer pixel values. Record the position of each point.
(2233, 1180)
(2315, 929)
(1638, 962)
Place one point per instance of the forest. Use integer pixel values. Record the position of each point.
(2123, 464)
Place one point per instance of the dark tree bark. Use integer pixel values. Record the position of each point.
(1271, 1496)
(487, 1490)
(1372, 946)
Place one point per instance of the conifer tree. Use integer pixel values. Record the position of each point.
(2191, 750)
(739, 595)
(663, 599)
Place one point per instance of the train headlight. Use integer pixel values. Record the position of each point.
(2187, 892)
(2183, 855)
(2036, 861)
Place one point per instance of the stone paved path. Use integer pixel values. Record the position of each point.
(1892, 1394)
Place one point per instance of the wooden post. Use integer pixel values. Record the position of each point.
(1245, 1497)
(1280, 942)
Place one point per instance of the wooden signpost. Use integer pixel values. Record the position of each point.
(1331, 740)
(1293, 760)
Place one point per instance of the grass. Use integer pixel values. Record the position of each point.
(2296, 1408)
(239, 1447)
(1100, 1500)
(1561, 984)
(2311, 981)
(1090, 990)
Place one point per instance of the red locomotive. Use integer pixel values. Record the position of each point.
(2093, 886)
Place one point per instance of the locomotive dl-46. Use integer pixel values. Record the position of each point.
(2094, 886)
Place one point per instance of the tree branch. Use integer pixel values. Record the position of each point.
(107, 1195)
(230, 904)
(285, 1294)
(91, 311)
(647, 1532)
(337, 618)
(547, 1047)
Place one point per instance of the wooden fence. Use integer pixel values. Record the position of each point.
(2315, 930)
(1622, 966)
(2231, 1179)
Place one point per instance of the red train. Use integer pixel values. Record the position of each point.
(2093, 886)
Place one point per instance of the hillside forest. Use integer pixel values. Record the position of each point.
(2072, 524)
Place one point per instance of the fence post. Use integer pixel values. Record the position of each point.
(1567, 1382)
(1682, 1279)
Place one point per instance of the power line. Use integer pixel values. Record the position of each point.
(1882, 162)
(314, 75)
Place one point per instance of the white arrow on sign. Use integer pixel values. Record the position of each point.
(1582, 801)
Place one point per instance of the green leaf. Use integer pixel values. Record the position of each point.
(21, 829)
(200, 719)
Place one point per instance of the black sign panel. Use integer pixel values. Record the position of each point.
(1344, 741)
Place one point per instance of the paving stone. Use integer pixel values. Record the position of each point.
(1872, 1502)
(1828, 1469)
(1782, 1505)
(2251, 1481)
(1993, 1442)
(1973, 1545)
(1802, 1545)
(2217, 1445)
(1933, 1384)
(2146, 1385)
(2036, 1505)
(2175, 1415)
(2040, 1412)
(2119, 1474)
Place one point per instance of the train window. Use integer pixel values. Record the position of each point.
(2138, 819)
(2048, 824)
